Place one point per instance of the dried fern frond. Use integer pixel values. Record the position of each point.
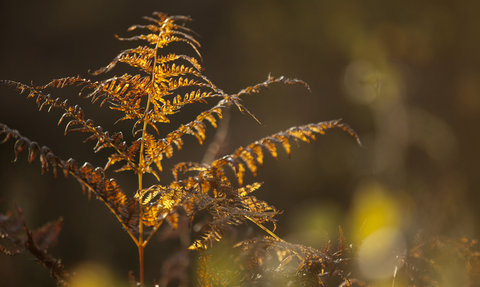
(161, 87)
(436, 260)
(270, 80)
(299, 261)
(252, 155)
(92, 179)
(204, 275)
(214, 193)
(78, 122)
(231, 206)
(37, 243)
(228, 206)
(160, 203)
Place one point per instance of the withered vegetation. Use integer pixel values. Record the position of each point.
(149, 99)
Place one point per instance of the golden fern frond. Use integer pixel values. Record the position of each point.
(252, 155)
(172, 219)
(124, 93)
(212, 235)
(259, 209)
(184, 167)
(223, 216)
(86, 125)
(172, 57)
(163, 75)
(171, 107)
(166, 33)
(78, 121)
(149, 99)
(164, 82)
(204, 277)
(183, 82)
(140, 57)
(160, 203)
(197, 127)
(172, 70)
(163, 17)
(243, 191)
(228, 206)
(157, 149)
(163, 34)
(130, 154)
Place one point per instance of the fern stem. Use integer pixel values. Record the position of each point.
(83, 182)
(141, 249)
(141, 244)
(263, 227)
(153, 232)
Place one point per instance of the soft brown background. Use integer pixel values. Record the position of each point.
(420, 162)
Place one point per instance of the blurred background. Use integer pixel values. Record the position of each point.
(405, 75)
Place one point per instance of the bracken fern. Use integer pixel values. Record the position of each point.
(148, 99)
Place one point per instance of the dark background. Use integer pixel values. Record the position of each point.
(404, 74)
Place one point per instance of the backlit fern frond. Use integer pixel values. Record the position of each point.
(156, 150)
(163, 33)
(160, 203)
(231, 206)
(212, 191)
(204, 275)
(162, 85)
(252, 156)
(228, 206)
(78, 121)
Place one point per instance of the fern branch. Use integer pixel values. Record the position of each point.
(78, 118)
(252, 155)
(311, 262)
(271, 80)
(91, 179)
(13, 228)
(204, 274)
